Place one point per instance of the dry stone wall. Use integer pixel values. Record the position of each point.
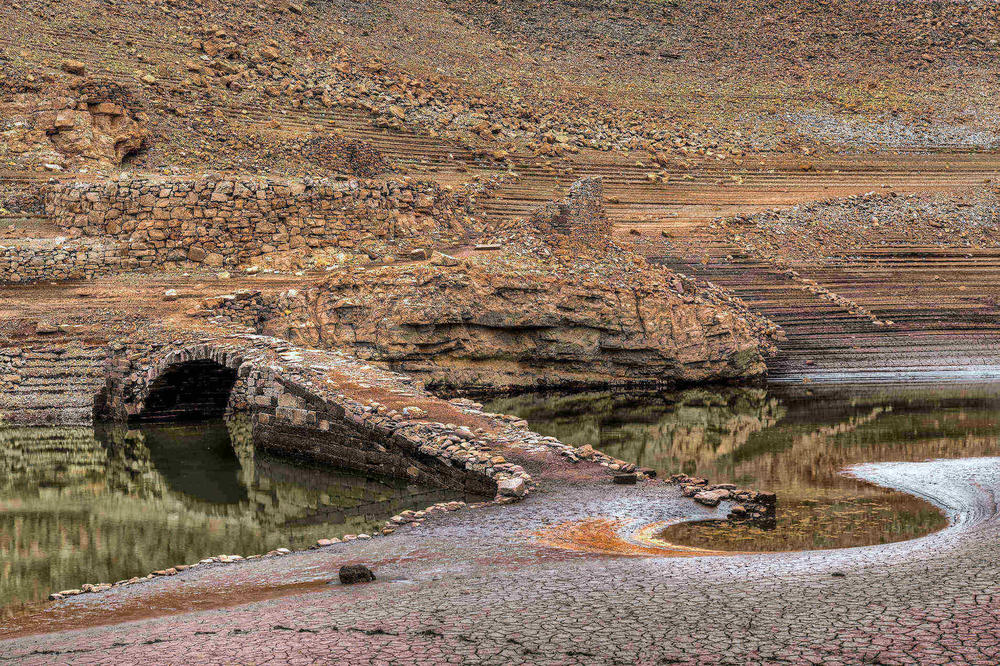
(35, 260)
(580, 215)
(223, 221)
(49, 382)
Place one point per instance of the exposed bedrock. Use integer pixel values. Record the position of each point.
(473, 327)
(95, 120)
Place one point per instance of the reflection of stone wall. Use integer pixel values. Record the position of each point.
(80, 505)
(47, 457)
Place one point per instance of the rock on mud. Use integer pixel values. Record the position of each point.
(355, 573)
(712, 497)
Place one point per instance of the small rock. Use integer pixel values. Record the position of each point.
(355, 573)
(513, 487)
(45, 328)
(711, 497)
(625, 479)
(74, 67)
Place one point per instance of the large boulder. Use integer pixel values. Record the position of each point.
(99, 121)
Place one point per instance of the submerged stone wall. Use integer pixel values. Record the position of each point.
(222, 221)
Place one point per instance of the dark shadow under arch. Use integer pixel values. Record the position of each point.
(189, 391)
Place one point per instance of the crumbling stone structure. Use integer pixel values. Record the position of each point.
(580, 215)
(294, 413)
(220, 221)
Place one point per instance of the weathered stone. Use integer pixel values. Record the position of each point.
(711, 497)
(514, 487)
(74, 67)
(350, 574)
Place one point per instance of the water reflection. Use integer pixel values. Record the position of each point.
(79, 505)
(792, 441)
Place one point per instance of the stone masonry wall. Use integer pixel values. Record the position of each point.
(295, 414)
(580, 215)
(50, 382)
(35, 260)
(220, 221)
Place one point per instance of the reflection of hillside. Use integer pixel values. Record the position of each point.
(77, 508)
(682, 431)
(812, 460)
(791, 441)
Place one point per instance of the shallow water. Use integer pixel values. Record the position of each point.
(79, 505)
(789, 440)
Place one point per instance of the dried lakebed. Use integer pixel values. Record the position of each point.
(477, 587)
(565, 577)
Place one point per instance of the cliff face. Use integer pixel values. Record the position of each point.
(501, 326)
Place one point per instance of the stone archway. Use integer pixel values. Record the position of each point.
(293, 409)
(195, 382)
(192, 390)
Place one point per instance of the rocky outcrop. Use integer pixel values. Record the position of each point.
(98, 121)
(496, 326)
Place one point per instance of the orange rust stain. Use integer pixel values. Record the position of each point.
(602, 536)
(49, 618)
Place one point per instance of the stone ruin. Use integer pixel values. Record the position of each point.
(352, 156)
(580, 215)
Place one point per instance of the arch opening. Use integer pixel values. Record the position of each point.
(189, 391)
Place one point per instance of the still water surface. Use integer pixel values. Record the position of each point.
(788, 440)
(79, 505)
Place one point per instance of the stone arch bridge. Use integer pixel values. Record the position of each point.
(313, 404)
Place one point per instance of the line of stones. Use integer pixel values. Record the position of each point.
(62, 260)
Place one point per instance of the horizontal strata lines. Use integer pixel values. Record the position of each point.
(49, 382)
(943, 307)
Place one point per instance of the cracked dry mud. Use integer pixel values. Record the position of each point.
(478, 586)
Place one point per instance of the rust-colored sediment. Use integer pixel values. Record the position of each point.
(68, 617)
(602, 536)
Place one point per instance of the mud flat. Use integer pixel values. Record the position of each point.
(483, 578)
